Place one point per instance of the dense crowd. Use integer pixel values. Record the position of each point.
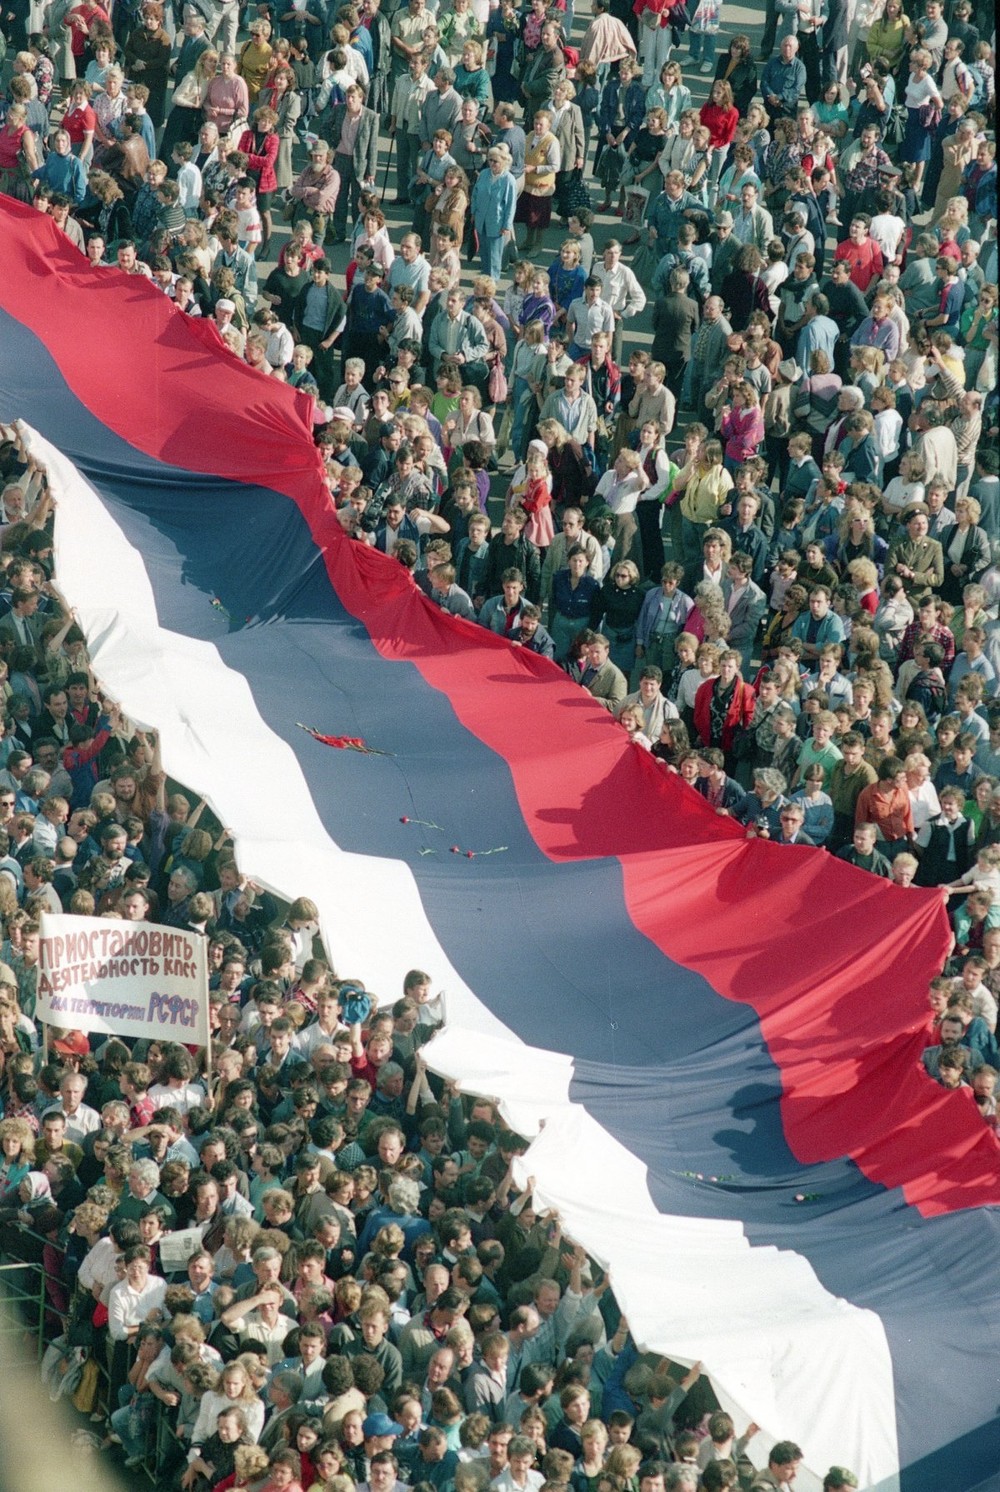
(734, 469)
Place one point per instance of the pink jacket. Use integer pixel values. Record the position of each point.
(743, 431)
(262, 163)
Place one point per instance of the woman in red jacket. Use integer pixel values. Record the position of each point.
(720, 117)
(261, 146)
(722, 705)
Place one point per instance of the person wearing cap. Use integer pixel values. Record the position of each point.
(223, 314)
(315, 190)
(915, 558)
(379, 1431)
(725, 247)
(839, 1477)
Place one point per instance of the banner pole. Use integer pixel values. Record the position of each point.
(208, 1062)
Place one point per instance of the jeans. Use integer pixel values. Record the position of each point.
(715, 170)
(692, 538)
(656, 49)
(491, 255)
(124, 1420)
(702, 46)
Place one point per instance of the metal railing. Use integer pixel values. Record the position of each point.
(22, 1291)
(26, 1312)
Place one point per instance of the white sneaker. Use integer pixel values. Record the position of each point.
(705, 69)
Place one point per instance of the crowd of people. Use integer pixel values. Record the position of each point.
(733, 467)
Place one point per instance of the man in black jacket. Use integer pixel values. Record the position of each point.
(675, 320)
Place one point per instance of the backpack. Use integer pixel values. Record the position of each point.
(927, 688)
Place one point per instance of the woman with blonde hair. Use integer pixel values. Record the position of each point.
(18, 154)
(863, 575)
(458, 25)
(867, 369)
(255, 58)
(923, 101)
(112, 219)
(233, 1389)
(17, 1154)
(472, 81)
(951, 228)
(186, 116)
(966, 550)
(619, 490)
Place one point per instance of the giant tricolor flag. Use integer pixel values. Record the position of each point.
(716, 1042)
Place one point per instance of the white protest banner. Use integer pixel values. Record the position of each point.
(123, 978)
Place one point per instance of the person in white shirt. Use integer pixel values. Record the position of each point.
(81, 1119)
(622, 291)
(134, 1298)
(924, 803)
(326, 1026)
(259, 1319)
(887, 427)
(100, 1272)
(178, 1089)
(518, 1475)
(887, 228)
